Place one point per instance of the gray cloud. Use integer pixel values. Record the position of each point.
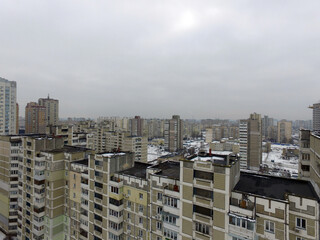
(200, 59)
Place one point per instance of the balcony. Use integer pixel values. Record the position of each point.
(116, 182)
(203, 165)
(172, 191)
(203, 201)
(203, 183)
(243, 207)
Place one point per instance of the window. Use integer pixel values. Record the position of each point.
(170, 234)
(159, 196)
(98, 195)
(203, 228)
(159, 210)
(114, 189)
(140, 220)
(241, 223)
(300, 223)
(140, 208)
(300, 238)
(169, 201)
(140, 233)
(129, 204)
(115, 226)
(159, 225)
(170, 219)
(269, 226)
(140, 195)
(129, 192)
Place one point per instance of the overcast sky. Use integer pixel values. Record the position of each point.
(198, 59)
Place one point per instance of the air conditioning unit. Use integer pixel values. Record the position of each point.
(297, 230)
(158, 217)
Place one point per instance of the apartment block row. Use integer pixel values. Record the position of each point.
(50, 190)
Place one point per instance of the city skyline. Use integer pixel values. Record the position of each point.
(208, 60)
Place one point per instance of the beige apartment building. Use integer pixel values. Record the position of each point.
(137, 145)
(250, 136)
(10, 157)
(173, 132)
(35, 118)
(52, 110)
(284, 131)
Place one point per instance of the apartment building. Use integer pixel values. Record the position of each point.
(268, 207)
(35, 118)
(105, 194)
(173, 134)
(284, 131)
(43, 186)
(316, 117)
(304, 155)
(8, 111)
(10, 156)
(52, 110)
(243, 141)
(137, 145)
(250, 136)
(136, 126)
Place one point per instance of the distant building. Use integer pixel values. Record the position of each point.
(243, 137)
(267, 123)
(35, 121)
(284, 131)
(8, 107)
(52, 110)
(137, 145)
(136, 126)
(17, 118)
(173, 134)
(316, 117)
(209, 135)
(254, 141)
(304, 157)
(250, 134)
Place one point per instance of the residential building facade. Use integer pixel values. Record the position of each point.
(8, 107)
(173, 133)
(52, 110)
(35, 118)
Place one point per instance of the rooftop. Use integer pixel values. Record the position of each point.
(81, 162)
(67, 149)
(274, 187)
(139, 170)
(219, 158)
(168, 169)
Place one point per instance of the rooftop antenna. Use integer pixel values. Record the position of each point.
(48, 96)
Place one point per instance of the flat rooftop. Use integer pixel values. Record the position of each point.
(274, 187)
(68, 149)
(84, 162)
(168, 169)
(216, 158)
(139, 170)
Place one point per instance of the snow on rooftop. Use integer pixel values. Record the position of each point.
(112, 154)
(207, 158)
